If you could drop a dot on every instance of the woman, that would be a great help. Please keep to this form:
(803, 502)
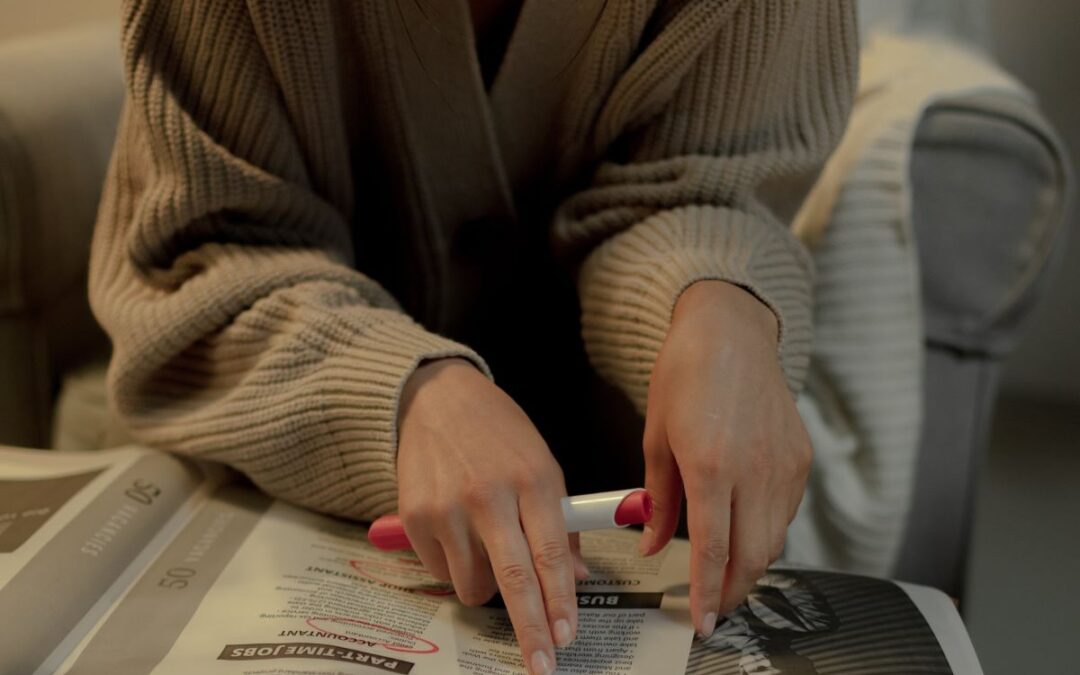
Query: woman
(327, 224)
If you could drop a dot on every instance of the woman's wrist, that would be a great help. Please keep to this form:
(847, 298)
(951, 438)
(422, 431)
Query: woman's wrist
(730, 305)
(433, 374)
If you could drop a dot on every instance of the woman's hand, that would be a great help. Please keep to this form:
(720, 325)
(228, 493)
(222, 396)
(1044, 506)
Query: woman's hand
(479, 498)
(722, 424)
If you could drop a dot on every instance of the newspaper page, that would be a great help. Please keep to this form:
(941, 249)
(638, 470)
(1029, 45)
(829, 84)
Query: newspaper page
(944, 620)
(256, 586)
(70, 525)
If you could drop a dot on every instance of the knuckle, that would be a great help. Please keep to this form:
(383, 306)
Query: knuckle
(776, 551)
(438, 511)
(515, 578)
(804, 458)
(556, 473)
(793, 509)
(560, 601)
(528, 482)
(714, 550)
(711, 588)
(762, 462)
(710, 469)
(475, 594)
(531, 630)
(551, 555)
(752, 567)
(439, 575)
(480, 497)
(653, 446)
(420, 515)
(539, 479)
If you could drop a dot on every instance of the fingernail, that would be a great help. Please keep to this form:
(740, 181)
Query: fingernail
(563, 634)
(541, 664)
(581, 569)
(646, 541)
(708, 625)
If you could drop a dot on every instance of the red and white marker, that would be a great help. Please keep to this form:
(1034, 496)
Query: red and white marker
(599, 511)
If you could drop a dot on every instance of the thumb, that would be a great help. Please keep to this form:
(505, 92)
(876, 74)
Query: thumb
(664, 484)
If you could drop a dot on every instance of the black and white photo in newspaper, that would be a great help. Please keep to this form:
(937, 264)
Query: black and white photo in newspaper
(808, 622)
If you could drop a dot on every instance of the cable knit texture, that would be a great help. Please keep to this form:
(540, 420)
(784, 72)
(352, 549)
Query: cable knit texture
(267, 151)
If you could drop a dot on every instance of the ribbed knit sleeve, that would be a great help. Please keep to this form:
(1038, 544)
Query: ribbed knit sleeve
(691, 137)
(221, 264)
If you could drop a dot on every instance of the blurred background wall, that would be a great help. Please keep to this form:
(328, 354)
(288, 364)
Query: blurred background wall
(19, 18)
(1040, 44)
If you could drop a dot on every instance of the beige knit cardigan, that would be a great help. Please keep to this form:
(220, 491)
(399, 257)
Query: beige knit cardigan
(224, 264)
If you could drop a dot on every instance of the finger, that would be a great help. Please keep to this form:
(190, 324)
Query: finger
(708, 505)
(778, 521)
(795, 497)
(795, 494)
(664, 485)
(804, 457)
(581, 569)
(545, 532)
(749, 546)
(511, 562)
(418, 527)
(470, 568)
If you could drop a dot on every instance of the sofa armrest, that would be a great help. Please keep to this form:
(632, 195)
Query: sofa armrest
(60, 98)
(990, 186)
(989, 191)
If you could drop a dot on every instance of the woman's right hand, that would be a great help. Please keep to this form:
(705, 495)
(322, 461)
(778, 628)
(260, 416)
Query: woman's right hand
(479, 498)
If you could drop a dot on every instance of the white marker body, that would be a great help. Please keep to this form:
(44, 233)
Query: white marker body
(595, 511)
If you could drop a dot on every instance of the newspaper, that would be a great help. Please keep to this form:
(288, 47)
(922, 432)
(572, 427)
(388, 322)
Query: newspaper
(234, 582)
(131, 561)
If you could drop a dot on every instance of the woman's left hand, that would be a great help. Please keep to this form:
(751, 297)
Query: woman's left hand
(722, 425)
